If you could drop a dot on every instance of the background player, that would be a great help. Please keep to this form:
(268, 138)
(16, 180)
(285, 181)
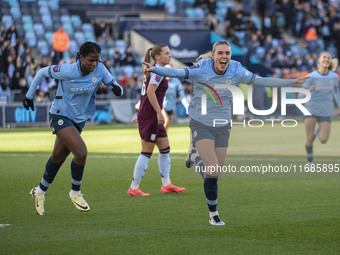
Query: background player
(151, 124)
(73, 105)
(211, 140)
(170, 99)
(324, 87)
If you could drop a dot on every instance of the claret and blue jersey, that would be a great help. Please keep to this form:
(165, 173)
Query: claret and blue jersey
(76, 92)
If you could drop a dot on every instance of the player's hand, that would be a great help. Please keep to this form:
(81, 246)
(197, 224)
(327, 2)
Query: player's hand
(147, 67)
(117, 90)
(28, 103)
(135, 121)
(160, 118)
(299, 81)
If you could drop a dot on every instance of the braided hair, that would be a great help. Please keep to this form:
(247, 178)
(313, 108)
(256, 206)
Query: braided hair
(88, 48)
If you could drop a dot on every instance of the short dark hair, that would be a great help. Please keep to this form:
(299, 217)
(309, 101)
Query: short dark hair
(88, 48)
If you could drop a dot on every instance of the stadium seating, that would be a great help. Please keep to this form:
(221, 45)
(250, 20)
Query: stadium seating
(43, 48)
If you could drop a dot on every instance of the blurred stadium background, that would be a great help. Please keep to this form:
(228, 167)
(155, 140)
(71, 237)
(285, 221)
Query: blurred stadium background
(279, 38)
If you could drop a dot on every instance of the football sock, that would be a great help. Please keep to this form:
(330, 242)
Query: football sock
(309, 150)
(210, 189)
(134, 185)
(212, 214)
(74, 192)
(40, 191)
(51, 171)
(199, 164)
(77, 175)
(141, 166)
(164, 166)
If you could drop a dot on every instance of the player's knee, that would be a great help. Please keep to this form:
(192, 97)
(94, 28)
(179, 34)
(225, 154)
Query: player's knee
(81, 155)
(323, 139)
(58, 160)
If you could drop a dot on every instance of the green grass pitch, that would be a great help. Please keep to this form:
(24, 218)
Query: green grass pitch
(276, 215)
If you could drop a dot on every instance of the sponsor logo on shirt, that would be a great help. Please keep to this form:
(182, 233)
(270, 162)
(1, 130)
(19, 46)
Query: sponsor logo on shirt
(83, 90)
(158, 78)
(56, 69)
(194, 66)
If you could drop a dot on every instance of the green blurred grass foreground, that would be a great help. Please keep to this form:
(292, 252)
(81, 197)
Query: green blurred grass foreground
(274, 215)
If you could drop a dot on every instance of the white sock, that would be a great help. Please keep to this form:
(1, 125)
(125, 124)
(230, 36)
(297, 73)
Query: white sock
(166, 181)
(193, 157)
(40, 191)
(212, 214)
(164, 164)
(134, 185)
(140, 168)
(74, 192)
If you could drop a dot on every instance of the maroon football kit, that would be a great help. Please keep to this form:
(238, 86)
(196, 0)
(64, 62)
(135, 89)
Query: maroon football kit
(148, 126)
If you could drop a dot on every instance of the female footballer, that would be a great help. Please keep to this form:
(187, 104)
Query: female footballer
(170, 99)
(151, 124)
(213, 70)
(73, 105)
(324, 87)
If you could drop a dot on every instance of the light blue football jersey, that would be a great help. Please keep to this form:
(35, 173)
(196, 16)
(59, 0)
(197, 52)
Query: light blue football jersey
(75, 96)
(207, 85)
(322, 97)
(212, 100)
(170, 99)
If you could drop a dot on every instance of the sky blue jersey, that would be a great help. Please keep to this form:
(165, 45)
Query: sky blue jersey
(207, 89)
(76, 93)
(211, 99)
(174, 86)
(325, 93)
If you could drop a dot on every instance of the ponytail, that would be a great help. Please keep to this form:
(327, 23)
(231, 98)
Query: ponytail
(147, 59)
(151, 53)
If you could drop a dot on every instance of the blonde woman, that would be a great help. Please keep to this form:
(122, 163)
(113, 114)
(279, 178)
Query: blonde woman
(210, 140)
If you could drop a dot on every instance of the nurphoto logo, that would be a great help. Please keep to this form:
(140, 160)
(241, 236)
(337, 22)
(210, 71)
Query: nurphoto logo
(238, 104)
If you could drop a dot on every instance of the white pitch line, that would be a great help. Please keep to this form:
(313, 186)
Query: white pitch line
(233, 158)
(4, 225)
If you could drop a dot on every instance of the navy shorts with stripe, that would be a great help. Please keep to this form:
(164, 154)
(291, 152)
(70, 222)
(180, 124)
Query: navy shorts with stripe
(58, 122)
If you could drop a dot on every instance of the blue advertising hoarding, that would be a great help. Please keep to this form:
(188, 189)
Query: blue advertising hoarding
(18, 115)
(185, 45)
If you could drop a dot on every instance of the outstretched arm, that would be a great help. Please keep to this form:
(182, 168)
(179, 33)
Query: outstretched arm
(28, 100)
(276, 82)
(41, 74)
(165, 71)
